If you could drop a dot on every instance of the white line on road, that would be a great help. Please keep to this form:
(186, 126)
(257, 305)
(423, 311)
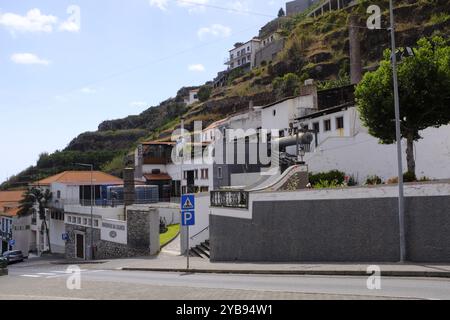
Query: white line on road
(30, 276)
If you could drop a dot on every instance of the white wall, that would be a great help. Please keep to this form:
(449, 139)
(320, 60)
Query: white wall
(362, 156)
(22, 234)
(57, 229)
(115, 213)
(384, 191)
(114, 231)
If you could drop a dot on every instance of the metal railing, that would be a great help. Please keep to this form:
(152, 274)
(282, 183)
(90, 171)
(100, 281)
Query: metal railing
(199, 233)
(230, 199)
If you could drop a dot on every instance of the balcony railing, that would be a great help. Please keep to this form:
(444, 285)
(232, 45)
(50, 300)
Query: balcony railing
(230, 199)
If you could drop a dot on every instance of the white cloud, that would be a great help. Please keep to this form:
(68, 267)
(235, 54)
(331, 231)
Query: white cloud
(87, 90)
(215, 30)
(161, 4)
(196, 67)
(28, 58)
(138, 104)
(191, 5)
(33, 21)
(69, 26)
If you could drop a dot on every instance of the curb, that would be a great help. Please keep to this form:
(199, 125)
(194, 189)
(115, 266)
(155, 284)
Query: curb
(78, 262)
(407, 274)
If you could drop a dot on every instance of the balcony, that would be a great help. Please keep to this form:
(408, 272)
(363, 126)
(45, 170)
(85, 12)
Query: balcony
(230, 199)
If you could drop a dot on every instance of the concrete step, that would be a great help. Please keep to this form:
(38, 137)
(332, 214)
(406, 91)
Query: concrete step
(203, 251)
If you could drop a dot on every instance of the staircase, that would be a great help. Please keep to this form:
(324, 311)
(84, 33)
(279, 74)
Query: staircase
(200, 251)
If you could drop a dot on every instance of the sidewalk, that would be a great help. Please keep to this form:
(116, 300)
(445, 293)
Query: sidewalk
(170, 263)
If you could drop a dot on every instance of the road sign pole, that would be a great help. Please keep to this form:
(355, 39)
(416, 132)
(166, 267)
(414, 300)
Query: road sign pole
(188, 249)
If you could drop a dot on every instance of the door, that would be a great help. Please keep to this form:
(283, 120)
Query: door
(190, 181)
(79, 246)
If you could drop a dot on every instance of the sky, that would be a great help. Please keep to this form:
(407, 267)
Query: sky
(66, 66)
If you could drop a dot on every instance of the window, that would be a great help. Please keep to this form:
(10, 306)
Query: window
(79, 220)
(85, 221)
(327, 125)
(248, 49)
(58, 194)
(196, 174)
(95, 223)
(340, 123)
(219, 172)
(274, 113)
(316, 127)
(206, 174)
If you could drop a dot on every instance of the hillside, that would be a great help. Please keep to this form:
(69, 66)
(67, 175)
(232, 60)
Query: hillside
(316, 48)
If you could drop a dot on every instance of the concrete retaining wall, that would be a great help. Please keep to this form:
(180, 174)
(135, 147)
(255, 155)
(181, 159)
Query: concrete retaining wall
(337, 230)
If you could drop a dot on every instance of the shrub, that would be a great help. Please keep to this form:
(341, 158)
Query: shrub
(323, 184)
(3, 263)
(332, 176)
(373, 180)
(286, 86)
(409, 177)
(393, 180)
(204, 93)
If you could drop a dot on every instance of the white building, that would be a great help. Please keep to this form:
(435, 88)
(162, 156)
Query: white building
(279, 115)
(192, 97)
(67, 188)
(243, 54)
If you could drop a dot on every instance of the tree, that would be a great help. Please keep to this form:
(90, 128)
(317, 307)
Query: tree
(36, 196)
(204, 93)
(281, 13)
(424, 89)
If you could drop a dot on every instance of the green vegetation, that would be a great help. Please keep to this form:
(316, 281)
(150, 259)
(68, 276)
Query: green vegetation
(3, 263)
(327, 178)
(286, 86)
(204, 93)
(171, 234)
(323, 184)
(373, 180)
(424, 82)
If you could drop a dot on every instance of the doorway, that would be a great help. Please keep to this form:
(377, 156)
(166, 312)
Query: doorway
(79, 246)
(190, 175)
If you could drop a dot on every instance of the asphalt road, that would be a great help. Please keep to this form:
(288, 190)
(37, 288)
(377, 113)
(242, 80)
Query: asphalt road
(48, 281)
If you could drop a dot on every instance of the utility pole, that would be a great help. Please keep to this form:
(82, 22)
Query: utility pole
(401, 202)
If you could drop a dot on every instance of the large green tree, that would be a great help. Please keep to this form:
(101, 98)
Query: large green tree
(424, 89)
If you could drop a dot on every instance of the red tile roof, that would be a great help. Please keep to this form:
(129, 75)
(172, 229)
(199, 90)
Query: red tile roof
(80, 177)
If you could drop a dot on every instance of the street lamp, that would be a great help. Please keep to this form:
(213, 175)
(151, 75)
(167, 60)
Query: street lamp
(91, 166)
(401, 207)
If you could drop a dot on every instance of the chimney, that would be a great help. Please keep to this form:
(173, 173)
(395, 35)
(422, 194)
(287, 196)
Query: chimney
(128, 187)
(355, 50)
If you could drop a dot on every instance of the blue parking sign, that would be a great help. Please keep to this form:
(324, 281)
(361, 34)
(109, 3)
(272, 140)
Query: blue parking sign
(188, 218)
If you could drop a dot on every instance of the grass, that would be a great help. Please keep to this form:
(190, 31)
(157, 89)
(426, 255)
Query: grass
(173, 232)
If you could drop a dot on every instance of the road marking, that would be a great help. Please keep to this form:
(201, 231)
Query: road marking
(30, 276)
(46, 274)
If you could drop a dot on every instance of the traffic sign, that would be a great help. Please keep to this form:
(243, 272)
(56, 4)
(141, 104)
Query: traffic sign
(12, 242)
(188, 202)
(188, 218)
